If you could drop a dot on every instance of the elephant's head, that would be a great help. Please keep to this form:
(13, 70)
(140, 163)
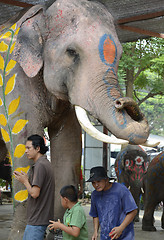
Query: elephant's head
(76, 44)
(131, 165)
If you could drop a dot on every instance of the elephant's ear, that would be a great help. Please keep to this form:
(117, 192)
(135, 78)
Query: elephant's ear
(29, 44)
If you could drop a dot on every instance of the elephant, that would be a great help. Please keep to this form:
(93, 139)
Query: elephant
(154, 194)
(131, 166)
(58, 62)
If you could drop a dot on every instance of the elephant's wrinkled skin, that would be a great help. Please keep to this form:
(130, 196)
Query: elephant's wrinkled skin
(65, 55)
(154, 192)
(131, 165)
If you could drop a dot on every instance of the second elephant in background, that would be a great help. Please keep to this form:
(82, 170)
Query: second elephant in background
(131, 165)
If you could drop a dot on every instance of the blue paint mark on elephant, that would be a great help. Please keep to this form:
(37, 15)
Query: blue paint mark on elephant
(108, 50)
(132, 136)
(108, 55)
(120, 163)
(123, 123)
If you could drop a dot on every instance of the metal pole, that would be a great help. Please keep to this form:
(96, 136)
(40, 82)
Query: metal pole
(105, 150)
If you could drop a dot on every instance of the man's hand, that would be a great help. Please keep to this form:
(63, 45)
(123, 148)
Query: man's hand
(21, 176)
(95, 236)
(116, 232)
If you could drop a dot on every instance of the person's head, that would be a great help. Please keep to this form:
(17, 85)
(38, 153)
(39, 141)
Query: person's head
(99, 178)
(35, 146)
(68, 193)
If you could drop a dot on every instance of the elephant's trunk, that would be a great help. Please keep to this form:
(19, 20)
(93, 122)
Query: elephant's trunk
(131, 108)
(126, 121)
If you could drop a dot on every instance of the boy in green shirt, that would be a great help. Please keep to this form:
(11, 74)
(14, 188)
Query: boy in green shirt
(74, 219)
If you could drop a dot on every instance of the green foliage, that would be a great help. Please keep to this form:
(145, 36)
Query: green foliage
(146, 59)
(2, 182)
(142, 65)
(154, 112)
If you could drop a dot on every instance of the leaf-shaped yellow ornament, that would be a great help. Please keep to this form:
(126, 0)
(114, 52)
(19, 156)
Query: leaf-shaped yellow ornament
(16, 32)
(3, 47)
(13, 27)
(13, 106)
(10, 84)
(6, 35)
(23, 169)
(12, 47)
(1, 81)
(10, 66)
(21, 196)
(10, 159)
(19, 125)
(19, 150)
(1, 63)
(3, 120)
(1, 103)
(5, 135)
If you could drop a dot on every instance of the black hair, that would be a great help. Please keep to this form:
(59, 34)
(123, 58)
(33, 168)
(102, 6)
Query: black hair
(38, 141)
(69, 192)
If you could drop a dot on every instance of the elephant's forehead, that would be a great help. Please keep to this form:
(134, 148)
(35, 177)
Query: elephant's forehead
(84, 20)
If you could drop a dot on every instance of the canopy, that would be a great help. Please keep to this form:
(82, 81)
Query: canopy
(134, 19)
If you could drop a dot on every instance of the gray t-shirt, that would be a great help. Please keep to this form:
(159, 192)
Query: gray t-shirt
(41, 209)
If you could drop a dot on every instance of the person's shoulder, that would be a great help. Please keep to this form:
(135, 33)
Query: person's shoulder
(78, 207)
(43, 163)
(95, 193)
(119, 186)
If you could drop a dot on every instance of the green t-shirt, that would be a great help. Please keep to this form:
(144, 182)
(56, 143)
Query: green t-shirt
(76, 217)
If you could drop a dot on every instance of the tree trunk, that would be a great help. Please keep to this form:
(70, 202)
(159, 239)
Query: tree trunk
(129, 82)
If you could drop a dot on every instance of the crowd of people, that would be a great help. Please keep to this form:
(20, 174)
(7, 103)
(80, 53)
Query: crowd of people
(112, 205)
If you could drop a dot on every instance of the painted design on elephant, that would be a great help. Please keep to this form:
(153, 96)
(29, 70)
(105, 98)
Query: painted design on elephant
(118, 168)
(138, 166)
(139, 160)
(7, 85)
(108, 55)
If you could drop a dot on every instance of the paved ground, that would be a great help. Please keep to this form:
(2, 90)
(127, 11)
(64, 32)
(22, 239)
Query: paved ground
(6, 211)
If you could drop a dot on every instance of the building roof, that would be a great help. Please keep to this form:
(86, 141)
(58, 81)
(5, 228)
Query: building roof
(134, 19)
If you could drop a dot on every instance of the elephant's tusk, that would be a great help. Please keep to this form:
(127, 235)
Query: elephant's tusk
(142, 190)
(92, 131)
(150, 143)
(129, 188)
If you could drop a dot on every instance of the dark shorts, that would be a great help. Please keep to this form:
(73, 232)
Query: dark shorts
(34, 232)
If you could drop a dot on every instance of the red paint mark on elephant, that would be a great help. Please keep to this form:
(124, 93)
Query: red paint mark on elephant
(59, 14)
(109, 50)
(127, 162)
(120, 119)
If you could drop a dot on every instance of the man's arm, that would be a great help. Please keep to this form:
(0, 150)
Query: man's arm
(23, 178)
(117, 231)
(96, 228)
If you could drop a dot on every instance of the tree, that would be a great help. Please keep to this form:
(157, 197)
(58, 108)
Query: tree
(142, 67)
(141, 76)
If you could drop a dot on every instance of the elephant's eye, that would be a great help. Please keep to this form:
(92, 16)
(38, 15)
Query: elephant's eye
(71, 52)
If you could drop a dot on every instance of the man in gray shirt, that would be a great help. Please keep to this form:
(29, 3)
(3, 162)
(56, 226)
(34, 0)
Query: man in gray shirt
(40, 186)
